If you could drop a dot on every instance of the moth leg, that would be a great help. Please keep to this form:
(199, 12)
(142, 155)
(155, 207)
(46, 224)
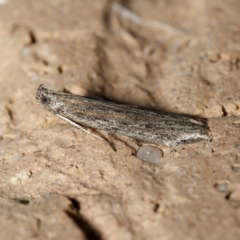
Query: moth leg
(134, 149)
(85, 130)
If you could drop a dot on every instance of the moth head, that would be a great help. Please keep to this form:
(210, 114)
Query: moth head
(43, 96)
(49, 99)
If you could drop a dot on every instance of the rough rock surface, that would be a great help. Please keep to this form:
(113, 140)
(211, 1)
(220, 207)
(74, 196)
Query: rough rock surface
(60, 183)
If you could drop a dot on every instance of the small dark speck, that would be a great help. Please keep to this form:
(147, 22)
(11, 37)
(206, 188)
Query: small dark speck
(60, 70)
(22, 201)
(227, 197)
(156, 207)
(75, 203)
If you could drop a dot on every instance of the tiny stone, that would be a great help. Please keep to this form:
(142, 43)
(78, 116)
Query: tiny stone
(57, 182)
(237, 146)
(222, 187)
(236, 168)
(35, 78)
(237, 125)
(3, 2)
(17, 157)
(26, 51)
(149, 154)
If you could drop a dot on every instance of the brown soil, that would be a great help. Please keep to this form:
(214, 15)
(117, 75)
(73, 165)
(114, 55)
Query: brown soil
(59, 183)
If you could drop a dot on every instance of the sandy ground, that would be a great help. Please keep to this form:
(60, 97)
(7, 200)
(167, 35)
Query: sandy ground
(59, 183)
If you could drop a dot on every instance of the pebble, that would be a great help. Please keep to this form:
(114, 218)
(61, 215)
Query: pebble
(17, 157)
(35, 78)
(237, 125)
(236, 168)
(57, 182)
(20, 177)
(222, 187)
(3, 2)
(237, 146)
(149, 154)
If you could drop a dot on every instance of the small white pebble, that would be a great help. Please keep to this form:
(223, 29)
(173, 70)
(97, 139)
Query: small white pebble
(17, 157)
(20, 177)
(222, 186)
(26, 51)
(14, 180)
(35, 78)
(3, 2)
(150, 154)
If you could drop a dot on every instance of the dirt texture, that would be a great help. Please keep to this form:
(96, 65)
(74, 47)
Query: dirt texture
(57, 182)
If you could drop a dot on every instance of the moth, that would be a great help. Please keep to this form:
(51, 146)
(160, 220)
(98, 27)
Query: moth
(147, 126)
